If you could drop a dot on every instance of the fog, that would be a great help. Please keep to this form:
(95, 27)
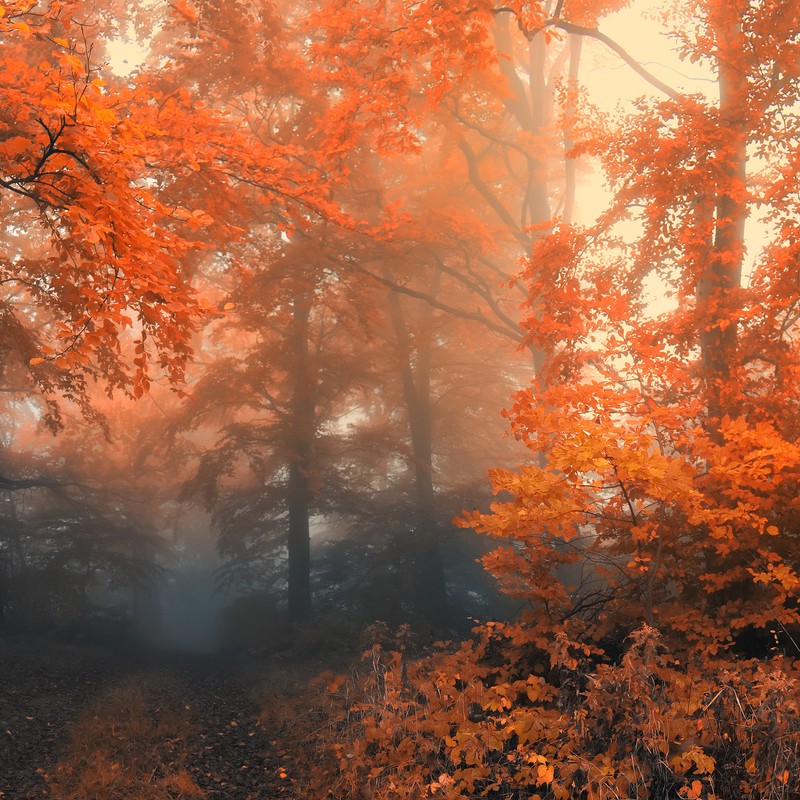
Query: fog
(356, 346)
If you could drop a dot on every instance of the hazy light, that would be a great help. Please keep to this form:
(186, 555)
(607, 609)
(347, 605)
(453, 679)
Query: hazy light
(639, 32)
(125, 57)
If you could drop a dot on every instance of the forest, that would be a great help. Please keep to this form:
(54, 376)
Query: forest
(400, 399)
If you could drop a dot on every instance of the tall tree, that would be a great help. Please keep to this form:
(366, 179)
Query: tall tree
(111, 183)
(293, 109)
(484, 79)
(670, 436)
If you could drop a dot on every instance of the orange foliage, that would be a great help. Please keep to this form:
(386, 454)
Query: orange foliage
(500, 717)
(127, 746)
(115, 187)
(660, 507)
(75, 168)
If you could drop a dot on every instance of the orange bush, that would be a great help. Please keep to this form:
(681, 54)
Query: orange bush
(498, 718)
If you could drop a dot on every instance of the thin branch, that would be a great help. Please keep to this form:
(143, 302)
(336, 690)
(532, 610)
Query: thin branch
(488, 195)
(427, 298)
(490, 136)
(594, 33)
(482, 292)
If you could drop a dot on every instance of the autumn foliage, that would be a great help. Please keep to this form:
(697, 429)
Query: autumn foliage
(652, 539)
(347, 182)
(500, 717)
(127, 746)
(106, 186)
(80, 173)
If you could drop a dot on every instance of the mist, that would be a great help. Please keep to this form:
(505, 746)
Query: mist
(300, 455)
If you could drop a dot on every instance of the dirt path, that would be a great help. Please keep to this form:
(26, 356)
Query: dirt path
(231, 755)
(80, 722)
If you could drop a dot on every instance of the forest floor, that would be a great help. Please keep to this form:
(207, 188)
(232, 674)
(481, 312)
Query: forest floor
(81, 721)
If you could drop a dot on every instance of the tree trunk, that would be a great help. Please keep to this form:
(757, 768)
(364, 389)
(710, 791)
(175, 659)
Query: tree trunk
(5, 573)
(13, 559)
(718, 284)
(527, 105)
(570, 178)
(429, 583)
(302, 428)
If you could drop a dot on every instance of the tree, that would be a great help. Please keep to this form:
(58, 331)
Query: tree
(281, 99)
(670, 437)
(106, 187)
(111, 192)
(485, 82)
(287, 370)
(664, 465)
(81, 543)
(259, 82)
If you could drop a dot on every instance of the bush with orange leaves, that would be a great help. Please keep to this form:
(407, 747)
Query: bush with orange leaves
(499, 718)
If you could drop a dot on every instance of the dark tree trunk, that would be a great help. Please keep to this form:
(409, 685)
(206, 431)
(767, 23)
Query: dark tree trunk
(5, 572)
(13, 559)
(429, 582)
(302, 428)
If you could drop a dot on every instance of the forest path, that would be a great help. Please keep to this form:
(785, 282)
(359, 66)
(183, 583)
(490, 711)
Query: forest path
(232, 755)
(79, 722)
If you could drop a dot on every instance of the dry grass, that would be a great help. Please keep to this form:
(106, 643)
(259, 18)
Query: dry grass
(128, 746)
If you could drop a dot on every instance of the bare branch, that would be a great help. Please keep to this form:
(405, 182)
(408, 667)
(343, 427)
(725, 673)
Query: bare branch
(488, 195)
(594, 33)
(427, 298)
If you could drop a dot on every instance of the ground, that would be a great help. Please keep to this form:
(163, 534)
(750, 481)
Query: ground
(88, 721)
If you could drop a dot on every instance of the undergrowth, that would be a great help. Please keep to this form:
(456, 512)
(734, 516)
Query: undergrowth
(127, 747)
(496, 718)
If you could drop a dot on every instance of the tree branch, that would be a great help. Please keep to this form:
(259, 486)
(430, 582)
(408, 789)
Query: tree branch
(427, 298)
(488, 195)
(594, 33)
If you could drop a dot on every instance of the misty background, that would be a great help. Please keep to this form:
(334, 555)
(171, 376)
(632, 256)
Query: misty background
(344, 404)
